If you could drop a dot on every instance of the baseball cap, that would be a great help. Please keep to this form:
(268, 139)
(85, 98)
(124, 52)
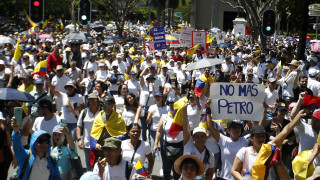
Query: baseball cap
(281, 107)
(56, 129)
(2, 62)
(39, 81)
(92, 55)
(109, 100)
(199, 129)
(313, 72)
(150, 77)
(68, 49)
(102, 64)
(111, 142)
(234, 122)
(316, 114)
(59, 67)
(93, 95)
(90, 176)
(271, 80)
(132, 73)
(257, 129)
(158, 94)
(44, 103)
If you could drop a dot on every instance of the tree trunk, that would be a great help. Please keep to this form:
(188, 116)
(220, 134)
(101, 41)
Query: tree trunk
(169, 15)
(172, 17)
(302, 30)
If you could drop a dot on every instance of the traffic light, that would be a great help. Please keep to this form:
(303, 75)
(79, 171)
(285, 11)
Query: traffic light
(269, 22)
(36, 12)
(84, 12)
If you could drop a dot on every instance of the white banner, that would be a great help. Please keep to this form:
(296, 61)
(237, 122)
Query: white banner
(199, 37)
(185, 36)
(242, 101)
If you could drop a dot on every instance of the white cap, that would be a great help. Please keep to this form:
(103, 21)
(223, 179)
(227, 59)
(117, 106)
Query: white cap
(102, 64)
(119, 55)
(313, 58)
(313, 72)
(2, 62)
(199, 129)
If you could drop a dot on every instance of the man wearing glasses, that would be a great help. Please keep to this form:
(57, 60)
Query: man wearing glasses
(36, 162)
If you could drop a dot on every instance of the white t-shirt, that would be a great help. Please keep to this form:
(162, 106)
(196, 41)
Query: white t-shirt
(116, 172)
(145, 93)
(314, 86)
(172, 95)
(190, 148)
(306, 136)
(287, 86)
(119, 103)
(66, 110)
(271, 96)
(128, 116)
(134, 87)
(90, 65)
(229, 150)
(39, 169)
(193, 116)
(159, 111)
(88, 123)
(102, 75)
(251, 157)
(59, 83)
(142, 152)
(41, 124)
(167, 122)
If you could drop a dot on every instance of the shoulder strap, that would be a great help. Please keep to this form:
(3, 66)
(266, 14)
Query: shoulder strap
(25, 166)
(72, 109)
(128, 170)
(135, 150)
(54, 161)
(41, 97)
(85, 111)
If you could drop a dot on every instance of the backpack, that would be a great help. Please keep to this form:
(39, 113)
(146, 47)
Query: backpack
(113, 79)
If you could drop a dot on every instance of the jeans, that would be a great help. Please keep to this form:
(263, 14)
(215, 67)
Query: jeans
(87, 158)
(269, 115)
(152, 137)
(72, 129)
(144, 125)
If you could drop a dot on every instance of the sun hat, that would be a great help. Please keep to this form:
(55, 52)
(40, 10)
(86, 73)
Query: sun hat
(178, 162)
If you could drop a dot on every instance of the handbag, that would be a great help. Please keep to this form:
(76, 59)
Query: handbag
(144, 109)
(173, 150)
(76, 169)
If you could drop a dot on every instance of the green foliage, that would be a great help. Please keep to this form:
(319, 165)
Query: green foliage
(185, 8)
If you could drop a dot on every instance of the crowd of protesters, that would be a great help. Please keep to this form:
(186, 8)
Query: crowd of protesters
(116, 103)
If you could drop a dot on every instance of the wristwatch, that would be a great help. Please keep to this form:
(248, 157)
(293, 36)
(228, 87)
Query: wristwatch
(78, 139)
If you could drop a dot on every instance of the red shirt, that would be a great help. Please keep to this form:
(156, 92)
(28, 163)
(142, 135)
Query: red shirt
(53, 61)
(179, 58)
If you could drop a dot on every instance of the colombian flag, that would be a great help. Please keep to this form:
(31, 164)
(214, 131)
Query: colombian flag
(30, 21)
(193, 50)
(278, 67)
(115, 126)
(17, 53)
(150, 30)
(300, 165)
(268, 156)
(201, 81)
(176, 125)
(140, 168)
(41, 68)
(203, 122)
(45, 24)
(311, 102)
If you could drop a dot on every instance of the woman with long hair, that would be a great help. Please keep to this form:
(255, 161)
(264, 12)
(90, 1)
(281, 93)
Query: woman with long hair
(131, 109)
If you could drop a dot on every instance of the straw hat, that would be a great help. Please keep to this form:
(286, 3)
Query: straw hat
(178, 162)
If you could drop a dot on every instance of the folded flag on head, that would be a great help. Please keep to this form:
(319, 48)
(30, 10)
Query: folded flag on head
(268, 156)
(140, 168)
(17, 53)
(177, 125)
(193, 50)
(41, 68)
(310, 102)
(201, 81)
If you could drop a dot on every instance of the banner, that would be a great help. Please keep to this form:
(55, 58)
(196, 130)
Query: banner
(185, 36)
(159, 38)
(199, 37)
(242, 101)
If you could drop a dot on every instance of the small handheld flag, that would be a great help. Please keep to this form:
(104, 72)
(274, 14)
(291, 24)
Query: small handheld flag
(41, 68)
(17, 53)
(140, 168)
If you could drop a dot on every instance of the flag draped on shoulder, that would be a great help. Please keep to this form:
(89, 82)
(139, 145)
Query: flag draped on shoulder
(115, 126)
(193, 50)
(41, 68)
(17, 53)
(140, 168)
(177, 125)
(268, 156)
(200, 83)
(300, 165)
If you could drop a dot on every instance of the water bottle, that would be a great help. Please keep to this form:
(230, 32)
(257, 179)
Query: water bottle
(146, 166)
(157, 156)
(247, 176)
(198, 178)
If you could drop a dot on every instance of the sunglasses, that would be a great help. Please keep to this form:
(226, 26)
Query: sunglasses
(43, 141)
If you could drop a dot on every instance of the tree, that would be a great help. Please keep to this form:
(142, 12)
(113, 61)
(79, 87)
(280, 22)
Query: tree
(119, 10)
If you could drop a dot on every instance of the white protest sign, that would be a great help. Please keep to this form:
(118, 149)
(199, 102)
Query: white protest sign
(242, 101)
(185, 36)
(199, 37)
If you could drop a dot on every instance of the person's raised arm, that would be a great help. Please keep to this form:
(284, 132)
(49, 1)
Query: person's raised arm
(263, 118)
(295, 81)
(53, 90)
(141, 79)
(69, 138)
(213, 131)
(186, 127)
(205, 89)
(277, 141)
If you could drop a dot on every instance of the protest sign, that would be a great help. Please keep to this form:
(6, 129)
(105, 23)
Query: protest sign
(199, 37)
(185, 36)
(242, 101)
(159, 38)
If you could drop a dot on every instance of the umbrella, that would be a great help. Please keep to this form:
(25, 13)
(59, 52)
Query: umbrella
(215, 30)
(9, 94)
(6, 39)
(77, 36)
(45, 36)
(204, 63)
(225, 45)
(288, 39)
(315, 47)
